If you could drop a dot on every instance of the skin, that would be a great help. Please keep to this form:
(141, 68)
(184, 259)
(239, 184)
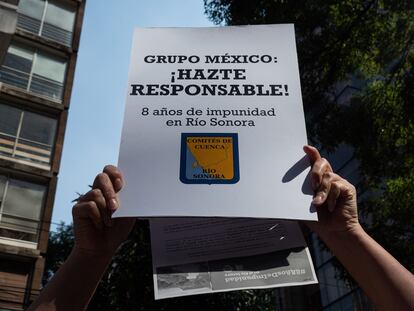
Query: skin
(97, 237)
(335, 199)
(386, 282)
(95, 232)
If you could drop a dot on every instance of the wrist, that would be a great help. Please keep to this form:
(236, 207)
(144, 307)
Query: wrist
(87, 255)
(352, 233)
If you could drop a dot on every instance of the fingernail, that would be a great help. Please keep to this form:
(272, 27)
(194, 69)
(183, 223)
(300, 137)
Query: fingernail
(113, 205)
(318, 199)
(118, 184)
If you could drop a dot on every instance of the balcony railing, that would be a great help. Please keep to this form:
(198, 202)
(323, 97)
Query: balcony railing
(28, 23)
(26, 150)
(43, 86)
(57, 34)
(37, 84)
(46, 30)
(18, 228)
(14, 77)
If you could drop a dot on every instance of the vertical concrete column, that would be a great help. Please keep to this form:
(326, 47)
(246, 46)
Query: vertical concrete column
(8, 21)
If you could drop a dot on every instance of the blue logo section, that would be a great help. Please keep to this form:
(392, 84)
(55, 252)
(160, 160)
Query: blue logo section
(209, 158)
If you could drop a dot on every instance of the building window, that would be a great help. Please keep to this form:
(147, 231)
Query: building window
(49, 19)
(14, 277)
(26, 136)
(33, 70)
(331, 284)
(21, 204)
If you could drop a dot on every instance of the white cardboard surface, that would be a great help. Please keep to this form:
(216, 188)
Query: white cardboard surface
(271, 160)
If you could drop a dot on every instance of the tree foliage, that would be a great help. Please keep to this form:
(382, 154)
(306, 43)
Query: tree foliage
(128, 283)
(350, 45)
(368, 47)
(60, 245)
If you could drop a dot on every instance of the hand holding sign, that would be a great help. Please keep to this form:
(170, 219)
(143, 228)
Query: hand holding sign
(335, 198)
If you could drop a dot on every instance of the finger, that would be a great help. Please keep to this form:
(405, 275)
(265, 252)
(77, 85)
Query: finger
(333, 195)
(323, 189)
(97, 196)
(319, 168)
(348, 191)
(104, 183)
(312, 153)
(88, 210)
(319, 165)
(115, 176)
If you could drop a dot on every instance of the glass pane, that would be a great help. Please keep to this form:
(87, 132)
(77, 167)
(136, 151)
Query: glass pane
(347, 303)
(50, 67)
(19, 58)
(38, 128)
(60, 16)
(32, 8)
(328, 285)
(43, 86)
(9, 120)
(19, 226)
(24, 199)
(323, 287)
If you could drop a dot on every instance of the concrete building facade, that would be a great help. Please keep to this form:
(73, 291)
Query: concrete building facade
(39, 41)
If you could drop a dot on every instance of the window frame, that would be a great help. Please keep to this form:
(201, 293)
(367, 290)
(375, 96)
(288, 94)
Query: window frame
(42, 21)
(22, 242)
(16, 138)
(36, 50)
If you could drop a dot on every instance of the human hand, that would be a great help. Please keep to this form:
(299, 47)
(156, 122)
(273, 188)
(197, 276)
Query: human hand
(334, 199)
(95, 232)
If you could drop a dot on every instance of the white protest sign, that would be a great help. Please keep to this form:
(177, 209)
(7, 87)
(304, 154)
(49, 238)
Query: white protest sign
(214, 125)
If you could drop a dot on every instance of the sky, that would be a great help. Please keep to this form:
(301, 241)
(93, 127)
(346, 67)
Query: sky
(95, 116)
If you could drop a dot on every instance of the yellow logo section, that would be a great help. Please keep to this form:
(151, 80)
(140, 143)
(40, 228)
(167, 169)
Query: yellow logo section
(214, 155)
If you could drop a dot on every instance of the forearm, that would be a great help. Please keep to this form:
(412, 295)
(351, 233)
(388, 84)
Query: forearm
(386, 282)
(73, 285)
